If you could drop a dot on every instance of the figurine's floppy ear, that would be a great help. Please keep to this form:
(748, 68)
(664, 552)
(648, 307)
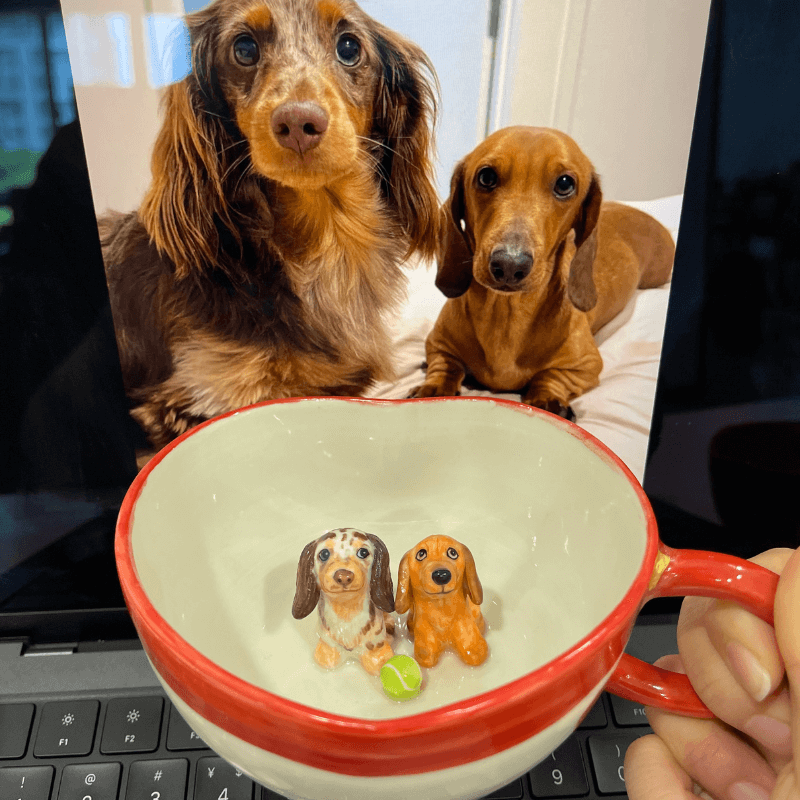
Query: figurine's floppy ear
(454, 254)
(473, 583)
(306, 595)
(381, 587)
(402, 601)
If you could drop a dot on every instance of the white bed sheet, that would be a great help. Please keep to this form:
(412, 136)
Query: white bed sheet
(619, 411)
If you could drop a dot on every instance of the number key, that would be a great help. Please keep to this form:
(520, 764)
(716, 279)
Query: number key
(26, 783)
(90, 782)
(561, 774)
(216, 779)
(161, 779)
(608, 760)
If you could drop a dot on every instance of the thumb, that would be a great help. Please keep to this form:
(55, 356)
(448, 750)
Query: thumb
(787, 632)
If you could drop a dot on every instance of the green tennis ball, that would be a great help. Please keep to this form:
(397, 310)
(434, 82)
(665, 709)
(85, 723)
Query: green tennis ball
(401, 678)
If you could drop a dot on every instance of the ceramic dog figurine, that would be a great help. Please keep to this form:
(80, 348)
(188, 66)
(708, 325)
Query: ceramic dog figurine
(345, 575)
(439, 587)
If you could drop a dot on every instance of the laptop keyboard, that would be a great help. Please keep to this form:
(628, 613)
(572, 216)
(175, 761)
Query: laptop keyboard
(137, 747)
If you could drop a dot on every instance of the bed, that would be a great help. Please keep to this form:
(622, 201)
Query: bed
(619, 410)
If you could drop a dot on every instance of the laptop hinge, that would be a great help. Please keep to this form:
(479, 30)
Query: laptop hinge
(52, 649)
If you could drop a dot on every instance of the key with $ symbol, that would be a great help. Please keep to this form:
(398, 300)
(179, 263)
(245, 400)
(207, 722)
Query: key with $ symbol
(216, 779)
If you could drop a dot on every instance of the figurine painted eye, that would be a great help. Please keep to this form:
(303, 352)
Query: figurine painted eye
(362, 552)
(564, 186)
(452, 552)
(324, 554)
(422, 554)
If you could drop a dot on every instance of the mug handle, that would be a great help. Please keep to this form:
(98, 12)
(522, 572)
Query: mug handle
(692, 572)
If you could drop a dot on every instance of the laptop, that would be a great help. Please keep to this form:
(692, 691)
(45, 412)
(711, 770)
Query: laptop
(81, 713)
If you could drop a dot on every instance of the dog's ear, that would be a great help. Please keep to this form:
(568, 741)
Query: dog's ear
(454, 256)
(403, 123)
(197, 164)
(403, 598)
(306, 595)
(580, 284)
(381, 586)
(471, 580)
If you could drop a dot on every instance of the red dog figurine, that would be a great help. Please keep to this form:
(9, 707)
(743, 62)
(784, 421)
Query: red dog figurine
(439, 587)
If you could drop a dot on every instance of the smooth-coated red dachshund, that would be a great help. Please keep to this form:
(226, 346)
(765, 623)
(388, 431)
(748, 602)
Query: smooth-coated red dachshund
(535, 264)
(291, 178)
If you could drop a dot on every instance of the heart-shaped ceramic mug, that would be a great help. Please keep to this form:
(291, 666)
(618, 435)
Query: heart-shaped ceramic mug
(563, 539)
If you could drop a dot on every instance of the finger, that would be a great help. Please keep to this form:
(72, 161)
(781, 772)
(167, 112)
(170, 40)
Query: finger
(733, 662)
(787, 630)
(652, 773)
(711, 754)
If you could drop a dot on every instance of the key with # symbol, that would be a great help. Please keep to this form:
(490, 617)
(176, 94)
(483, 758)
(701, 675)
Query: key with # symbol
(158, 779)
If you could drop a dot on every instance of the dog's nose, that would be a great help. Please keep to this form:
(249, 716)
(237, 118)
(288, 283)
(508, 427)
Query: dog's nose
(299, 126)
(509, 267)
(343, 577)
(441, 576)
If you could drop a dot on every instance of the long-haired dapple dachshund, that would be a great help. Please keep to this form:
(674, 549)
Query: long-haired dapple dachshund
(345, 575)
(534, 264)
(291, 178)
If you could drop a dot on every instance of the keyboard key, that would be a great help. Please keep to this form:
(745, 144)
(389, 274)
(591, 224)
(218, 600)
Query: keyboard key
(596, 718)
(15, 725)
(132, 726)
(26, 783)
(561, 774)
(66, 728)
(164, 778)
(90, 782)
(627, 713)
(217, 778)
(511, 792)
(608, 759)
(180, 736)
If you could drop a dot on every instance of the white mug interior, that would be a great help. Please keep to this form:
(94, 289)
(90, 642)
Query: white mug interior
(556, 529)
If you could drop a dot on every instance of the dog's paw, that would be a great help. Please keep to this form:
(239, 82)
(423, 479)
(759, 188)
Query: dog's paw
(431, 390)
(555, 407)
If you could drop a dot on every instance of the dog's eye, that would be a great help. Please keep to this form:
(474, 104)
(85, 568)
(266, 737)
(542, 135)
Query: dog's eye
(362, 552)
(348, 50)
(564, 186)
(487, 178)
(324, 554)
(452, 552)
(422, 554)
(245, 51)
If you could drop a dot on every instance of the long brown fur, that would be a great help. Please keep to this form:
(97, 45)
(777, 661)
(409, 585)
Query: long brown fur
(533, 333)
(252, 270)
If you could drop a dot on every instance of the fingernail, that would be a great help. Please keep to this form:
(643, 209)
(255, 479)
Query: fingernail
(754, 679)
(772, 733)
(747, 791)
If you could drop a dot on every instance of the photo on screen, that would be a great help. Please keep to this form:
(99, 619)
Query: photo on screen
(620, 78)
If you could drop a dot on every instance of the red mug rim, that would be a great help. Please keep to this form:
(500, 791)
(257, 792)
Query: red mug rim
(448, 736)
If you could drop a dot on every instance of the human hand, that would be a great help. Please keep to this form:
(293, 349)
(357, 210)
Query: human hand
(748, 674)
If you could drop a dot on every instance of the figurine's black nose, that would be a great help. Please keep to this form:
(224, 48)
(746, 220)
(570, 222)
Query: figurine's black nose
(441, 576)
(343, 577)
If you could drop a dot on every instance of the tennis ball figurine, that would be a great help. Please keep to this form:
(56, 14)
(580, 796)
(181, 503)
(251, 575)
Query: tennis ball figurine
(401, 678)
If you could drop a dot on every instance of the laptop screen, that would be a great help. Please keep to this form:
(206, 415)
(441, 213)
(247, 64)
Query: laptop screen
(723, 461)
(71, 446)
